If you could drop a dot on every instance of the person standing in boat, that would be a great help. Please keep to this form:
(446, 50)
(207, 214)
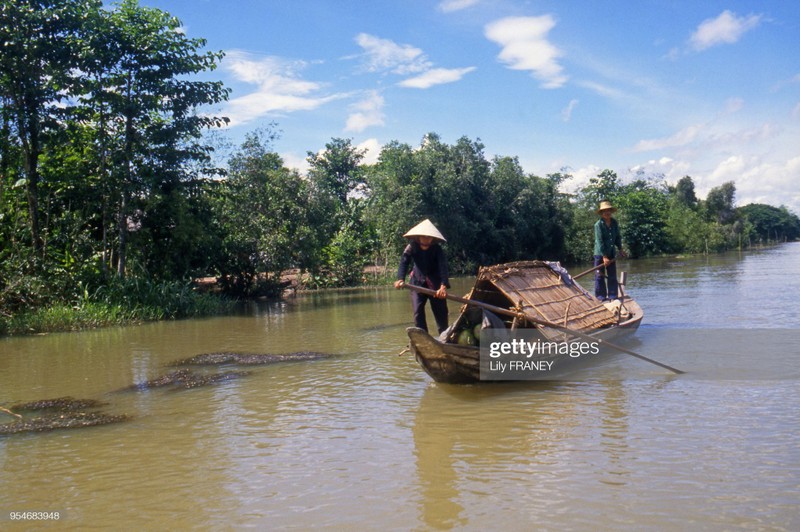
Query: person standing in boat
(428, 263)
(607, 244)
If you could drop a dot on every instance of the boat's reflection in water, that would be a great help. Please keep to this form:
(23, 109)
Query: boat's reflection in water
(467, 459)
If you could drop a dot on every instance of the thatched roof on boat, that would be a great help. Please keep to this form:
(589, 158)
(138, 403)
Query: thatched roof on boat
(541, 292)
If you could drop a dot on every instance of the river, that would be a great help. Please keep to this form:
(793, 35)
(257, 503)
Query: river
(365, 439)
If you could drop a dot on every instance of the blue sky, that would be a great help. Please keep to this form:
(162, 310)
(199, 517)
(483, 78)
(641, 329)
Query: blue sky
(656, 87)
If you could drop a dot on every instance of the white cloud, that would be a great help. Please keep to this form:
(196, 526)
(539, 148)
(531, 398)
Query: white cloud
(681, 138)
(386, 55)
(603, 90)
(436, 76)
(448, 6)
(368, 112)
(566, 113)
(757, 180)
(714, 136)
(773, 183)
(580, 178)
(279, 89)
(295, 162)
(751, 136)
(656, 172)
(727, 28)
(372, 150)
(525, 47)
(728, 170)
(780, 85)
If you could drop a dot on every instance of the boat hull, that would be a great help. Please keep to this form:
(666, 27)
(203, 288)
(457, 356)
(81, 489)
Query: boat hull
(459, 364)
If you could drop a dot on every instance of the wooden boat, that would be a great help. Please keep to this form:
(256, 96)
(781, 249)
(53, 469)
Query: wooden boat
(528, 295)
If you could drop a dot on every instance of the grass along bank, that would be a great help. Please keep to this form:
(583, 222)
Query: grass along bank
(123, 302)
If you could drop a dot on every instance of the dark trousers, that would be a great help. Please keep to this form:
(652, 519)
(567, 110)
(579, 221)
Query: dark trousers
(438, 306)
(605, 276)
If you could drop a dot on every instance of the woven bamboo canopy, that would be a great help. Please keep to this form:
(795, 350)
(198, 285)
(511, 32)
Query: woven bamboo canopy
(537, 290)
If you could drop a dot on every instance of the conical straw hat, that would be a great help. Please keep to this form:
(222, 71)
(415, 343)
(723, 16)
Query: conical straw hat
(425, 228)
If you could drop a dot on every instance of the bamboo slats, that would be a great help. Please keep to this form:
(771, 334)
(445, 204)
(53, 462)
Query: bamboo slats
(534, 288)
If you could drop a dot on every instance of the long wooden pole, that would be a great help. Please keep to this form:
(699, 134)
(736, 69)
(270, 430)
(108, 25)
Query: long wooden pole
(545, 323)
(590, 270)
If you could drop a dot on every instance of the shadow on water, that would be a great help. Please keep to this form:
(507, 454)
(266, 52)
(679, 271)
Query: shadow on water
(458, 443)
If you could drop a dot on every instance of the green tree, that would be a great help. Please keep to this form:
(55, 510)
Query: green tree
(145, 103)
(340, 188)
(605, 186)
(336, 169)
(539, 221)
(643, 211)
(579, 239)
(264, 211)
(394, 198)
(771, 223)
(489, 211)
(686, 230)
(684, 192)
(720, 203)
(350, 249)
(454, 191)
(37, 73)
(506, 196)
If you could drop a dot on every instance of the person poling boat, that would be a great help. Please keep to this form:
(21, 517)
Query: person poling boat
(427, 261)
(607, 242)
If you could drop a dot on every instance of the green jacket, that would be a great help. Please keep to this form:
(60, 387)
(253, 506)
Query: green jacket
(607, 240)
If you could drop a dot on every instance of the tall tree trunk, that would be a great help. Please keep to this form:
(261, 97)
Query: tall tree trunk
(126, 185)
(123, 234)
(5, 151)
(104, 186)
(28, 125)
(32, 174)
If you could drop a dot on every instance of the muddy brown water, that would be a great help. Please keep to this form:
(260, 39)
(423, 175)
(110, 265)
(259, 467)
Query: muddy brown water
(365, 440)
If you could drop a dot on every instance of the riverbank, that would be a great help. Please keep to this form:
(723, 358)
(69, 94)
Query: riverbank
(141, 302)
(128, 302)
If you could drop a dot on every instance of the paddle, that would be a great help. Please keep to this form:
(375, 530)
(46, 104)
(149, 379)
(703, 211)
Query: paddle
(545, 323)
(590, 270)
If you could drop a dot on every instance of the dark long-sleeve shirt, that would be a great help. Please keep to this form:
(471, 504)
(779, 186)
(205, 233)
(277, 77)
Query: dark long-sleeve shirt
(607, 239)
(428, 267)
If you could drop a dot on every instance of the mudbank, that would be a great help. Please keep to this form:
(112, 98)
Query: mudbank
(248, 359)
(69, 413)
(60, 413)
(185, 379)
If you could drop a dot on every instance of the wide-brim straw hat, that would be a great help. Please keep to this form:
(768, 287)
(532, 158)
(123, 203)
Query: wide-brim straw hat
(606, 206)
(425, 228)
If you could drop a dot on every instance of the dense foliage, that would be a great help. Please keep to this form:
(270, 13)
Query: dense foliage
(109, 199)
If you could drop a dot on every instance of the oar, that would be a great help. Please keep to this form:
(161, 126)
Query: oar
(590, 270)
(545, 323)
